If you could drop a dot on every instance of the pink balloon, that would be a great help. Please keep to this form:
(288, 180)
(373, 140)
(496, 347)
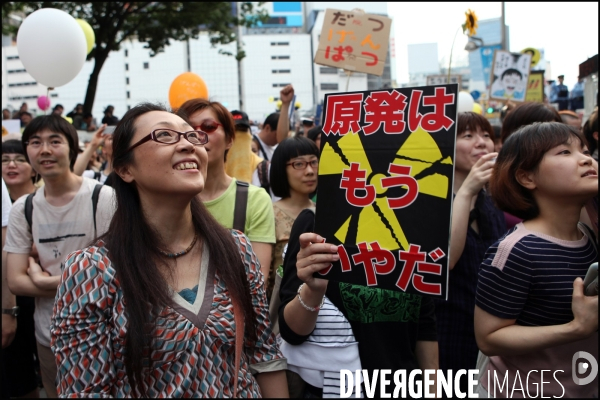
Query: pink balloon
(43, 102)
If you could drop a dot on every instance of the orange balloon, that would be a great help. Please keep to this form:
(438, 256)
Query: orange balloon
(185, 87)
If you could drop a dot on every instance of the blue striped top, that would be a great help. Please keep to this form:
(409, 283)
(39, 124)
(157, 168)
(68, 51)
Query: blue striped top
(529, 276)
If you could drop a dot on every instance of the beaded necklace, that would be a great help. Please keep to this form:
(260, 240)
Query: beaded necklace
(181, 253)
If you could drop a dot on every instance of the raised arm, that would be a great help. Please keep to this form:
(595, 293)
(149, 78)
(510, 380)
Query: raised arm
(84, 158)
(286, 95)
(461, 206)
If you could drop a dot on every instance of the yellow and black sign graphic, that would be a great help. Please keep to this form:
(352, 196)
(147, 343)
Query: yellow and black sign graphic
(385, 186)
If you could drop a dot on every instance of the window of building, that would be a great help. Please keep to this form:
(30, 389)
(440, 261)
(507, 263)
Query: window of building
(22, 84)
(280, 57)
(126, 52)
(280, 43)
(281, 71)
(127, 80)
(146, 65)
(128, 95)
(126, 67)
(328, 70)
(280, 84)
(329, 86)
(16, 71)
(12, 57)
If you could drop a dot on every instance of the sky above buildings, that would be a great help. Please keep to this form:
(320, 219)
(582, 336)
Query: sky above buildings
(568, 32)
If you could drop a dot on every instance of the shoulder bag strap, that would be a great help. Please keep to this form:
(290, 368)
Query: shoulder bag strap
(95, 196)
(241, 202)
(261, 149)
(239, 342)
(29, 209)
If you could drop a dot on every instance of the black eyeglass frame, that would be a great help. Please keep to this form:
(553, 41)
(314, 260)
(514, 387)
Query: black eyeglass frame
(152, 136)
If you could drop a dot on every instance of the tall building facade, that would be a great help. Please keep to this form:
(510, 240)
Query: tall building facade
(278, 52)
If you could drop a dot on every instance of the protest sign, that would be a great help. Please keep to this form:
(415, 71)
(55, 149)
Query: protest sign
(510, 75)
(354, 41)
(385, 187)
(443, 80)
(535, 87)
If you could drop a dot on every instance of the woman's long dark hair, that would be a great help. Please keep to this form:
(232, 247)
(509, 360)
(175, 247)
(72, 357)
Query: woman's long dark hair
(133, 244)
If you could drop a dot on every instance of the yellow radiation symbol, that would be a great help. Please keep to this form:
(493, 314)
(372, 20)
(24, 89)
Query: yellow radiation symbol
(378, 220)
(535, 55)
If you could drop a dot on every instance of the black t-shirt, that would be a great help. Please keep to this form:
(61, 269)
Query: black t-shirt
(387, 324)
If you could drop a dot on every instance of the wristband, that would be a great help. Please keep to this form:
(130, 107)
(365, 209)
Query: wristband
(306, 307)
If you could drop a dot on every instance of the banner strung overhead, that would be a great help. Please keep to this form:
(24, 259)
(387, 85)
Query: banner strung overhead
(385, 186)
(354, 41)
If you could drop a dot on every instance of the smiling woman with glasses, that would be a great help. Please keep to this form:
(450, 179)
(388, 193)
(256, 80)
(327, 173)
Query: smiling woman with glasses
(170, 303)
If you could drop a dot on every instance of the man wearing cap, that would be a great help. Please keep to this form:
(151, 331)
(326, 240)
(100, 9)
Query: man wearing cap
(109, 119)
(560, 94)
(241, 161)
(307, 124)
(577, 95)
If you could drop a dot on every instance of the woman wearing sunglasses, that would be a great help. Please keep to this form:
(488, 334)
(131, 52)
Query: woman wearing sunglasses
(220, 192)
(167, 303)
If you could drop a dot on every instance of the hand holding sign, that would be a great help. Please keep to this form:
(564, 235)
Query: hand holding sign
(315, 255)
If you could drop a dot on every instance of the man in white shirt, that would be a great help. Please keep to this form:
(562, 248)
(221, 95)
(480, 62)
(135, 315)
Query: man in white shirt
(63, 219)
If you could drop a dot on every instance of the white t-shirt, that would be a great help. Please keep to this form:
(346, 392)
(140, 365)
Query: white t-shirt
(268, 150)
(57, 231)
(6, 204)
(88, 173)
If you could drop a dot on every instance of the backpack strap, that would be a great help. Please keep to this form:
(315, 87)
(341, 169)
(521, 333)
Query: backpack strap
(29, 206)
(241, 202)
(95, 197)
(29, 209)
(238, 316)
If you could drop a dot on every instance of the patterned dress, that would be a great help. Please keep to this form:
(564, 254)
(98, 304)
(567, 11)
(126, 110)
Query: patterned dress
(193, 353)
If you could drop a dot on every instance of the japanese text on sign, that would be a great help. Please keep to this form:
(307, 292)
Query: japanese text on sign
(354, 41)
(385, 187)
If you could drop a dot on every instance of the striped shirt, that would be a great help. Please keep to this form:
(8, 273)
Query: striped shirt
(528, 276)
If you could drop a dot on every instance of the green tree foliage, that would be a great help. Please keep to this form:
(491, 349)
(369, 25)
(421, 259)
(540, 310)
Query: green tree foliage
(153, 23)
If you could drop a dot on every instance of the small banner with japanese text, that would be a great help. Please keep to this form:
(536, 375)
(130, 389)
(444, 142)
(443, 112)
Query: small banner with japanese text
(354, 41)
(385, 187)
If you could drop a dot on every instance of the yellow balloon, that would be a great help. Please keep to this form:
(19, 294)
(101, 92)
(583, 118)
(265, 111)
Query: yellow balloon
(90, 38)
(477, 108)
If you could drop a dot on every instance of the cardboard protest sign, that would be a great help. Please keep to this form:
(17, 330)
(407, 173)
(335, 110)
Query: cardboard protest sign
(535, 87)
(510, 75)
(443, 80)
(354, 41)
(385, 187)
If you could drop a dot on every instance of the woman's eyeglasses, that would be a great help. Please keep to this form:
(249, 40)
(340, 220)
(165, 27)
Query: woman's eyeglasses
(208, 126)
(169, 136)
(303, 164)
(17, 160)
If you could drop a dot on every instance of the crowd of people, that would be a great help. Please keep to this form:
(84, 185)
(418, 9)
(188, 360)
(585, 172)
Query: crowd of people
(175, 257)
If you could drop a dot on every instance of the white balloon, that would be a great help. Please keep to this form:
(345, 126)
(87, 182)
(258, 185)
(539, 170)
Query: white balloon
(51, 46)
(465, 102)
